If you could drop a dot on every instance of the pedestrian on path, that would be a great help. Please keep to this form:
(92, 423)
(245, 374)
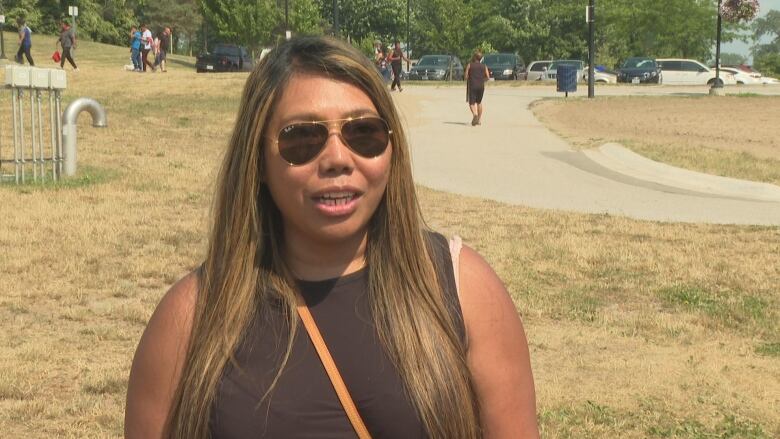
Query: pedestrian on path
(25, 42)
(396, 56)
(319, 254)
(476, 76)
(135, 49)
(67, 40)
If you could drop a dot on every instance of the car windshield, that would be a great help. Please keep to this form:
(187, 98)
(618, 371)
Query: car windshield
(566, 62)
(434, 60)
(226, 50)
(496, 58)
(639, 63)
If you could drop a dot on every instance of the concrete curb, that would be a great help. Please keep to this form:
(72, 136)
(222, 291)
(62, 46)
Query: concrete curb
(619, 159)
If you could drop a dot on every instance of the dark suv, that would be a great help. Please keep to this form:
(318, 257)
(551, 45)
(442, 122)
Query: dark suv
(504, 65)
(225, 58)
(640, 70)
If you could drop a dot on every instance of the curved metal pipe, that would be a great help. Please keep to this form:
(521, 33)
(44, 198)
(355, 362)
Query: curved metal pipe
(69, 117)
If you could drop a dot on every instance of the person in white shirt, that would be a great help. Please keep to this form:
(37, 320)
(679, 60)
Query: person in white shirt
(146, 46)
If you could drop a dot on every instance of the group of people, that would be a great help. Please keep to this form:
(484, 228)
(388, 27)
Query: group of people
(386, 61)
(66, 40)
(476, 75)
(142, 42)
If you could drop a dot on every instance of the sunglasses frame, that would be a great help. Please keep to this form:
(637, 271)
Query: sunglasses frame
(330, 124)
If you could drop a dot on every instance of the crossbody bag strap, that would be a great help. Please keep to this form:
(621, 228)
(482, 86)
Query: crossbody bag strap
(331, 369)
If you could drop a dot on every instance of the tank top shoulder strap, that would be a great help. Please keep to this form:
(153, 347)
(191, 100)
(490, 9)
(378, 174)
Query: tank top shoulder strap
(439, 248)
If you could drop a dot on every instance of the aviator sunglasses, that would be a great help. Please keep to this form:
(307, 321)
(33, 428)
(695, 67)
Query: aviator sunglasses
(300, 142)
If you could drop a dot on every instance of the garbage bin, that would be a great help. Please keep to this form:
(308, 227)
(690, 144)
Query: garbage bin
(566, 78)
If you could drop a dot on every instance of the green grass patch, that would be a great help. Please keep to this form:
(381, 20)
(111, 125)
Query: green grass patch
(726, 308)
(769, 349)
(86, 175)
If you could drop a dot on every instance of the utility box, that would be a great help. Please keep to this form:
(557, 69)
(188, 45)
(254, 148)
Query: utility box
(566, 78)
(58, 80)
(39, 78)
(17, 76)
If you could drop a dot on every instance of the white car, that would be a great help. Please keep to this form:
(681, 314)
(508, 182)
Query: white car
(690, 72)
(536, 70)
(600, 77)
(552, 72)
(742, 77)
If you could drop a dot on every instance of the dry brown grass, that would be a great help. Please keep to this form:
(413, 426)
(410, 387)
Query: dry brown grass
(637, 329)
(734, 136)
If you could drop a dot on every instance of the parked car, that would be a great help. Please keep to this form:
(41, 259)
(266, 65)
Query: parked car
(535, 70)
(742, 77)
(552, 72)
(225, 58)
(600, 76)
(437, 68)
(690, 72)
(504, 65)
(640, 70)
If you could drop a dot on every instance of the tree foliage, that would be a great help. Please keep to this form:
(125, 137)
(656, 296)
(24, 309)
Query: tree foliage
(535, 29)
(767, 55)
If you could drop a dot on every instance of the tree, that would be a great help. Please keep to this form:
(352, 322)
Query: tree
(247, 22)
(766, 56)
(732, 59)
(182, 16)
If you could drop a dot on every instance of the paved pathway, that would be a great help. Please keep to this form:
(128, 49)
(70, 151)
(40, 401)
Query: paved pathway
(513, 158)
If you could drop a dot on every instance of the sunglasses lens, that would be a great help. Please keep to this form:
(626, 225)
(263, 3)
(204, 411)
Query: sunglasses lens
(300, 143)
(368, 136)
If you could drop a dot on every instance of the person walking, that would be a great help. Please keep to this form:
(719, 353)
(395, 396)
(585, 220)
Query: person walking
(67, 40)
(25, 42)
(135, 48)
(163, 46)
(396, 57)
(476, 76)
(146, 46)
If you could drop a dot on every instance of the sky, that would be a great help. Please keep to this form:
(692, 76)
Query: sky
(744, 48)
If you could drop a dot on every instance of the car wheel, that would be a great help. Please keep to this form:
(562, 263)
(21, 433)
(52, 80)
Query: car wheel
(200, 70)
(711, 82)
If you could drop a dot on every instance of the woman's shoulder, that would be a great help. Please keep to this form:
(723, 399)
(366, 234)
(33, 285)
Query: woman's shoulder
(159, 359)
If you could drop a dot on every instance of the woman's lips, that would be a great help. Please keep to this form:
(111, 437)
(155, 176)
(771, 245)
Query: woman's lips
(337, 203)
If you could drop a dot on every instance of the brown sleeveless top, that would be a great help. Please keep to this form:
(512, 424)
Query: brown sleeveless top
(303, 403)
(477, 75)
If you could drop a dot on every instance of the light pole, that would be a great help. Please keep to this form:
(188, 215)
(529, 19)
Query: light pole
(591, 46)
(408, 14)
(717, 86)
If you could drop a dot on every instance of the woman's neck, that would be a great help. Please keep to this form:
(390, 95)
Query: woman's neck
(318, 260)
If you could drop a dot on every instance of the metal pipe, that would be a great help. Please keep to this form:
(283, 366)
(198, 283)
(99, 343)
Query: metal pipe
(15, 107)
(20, 94)
(69, 117)
(33, 143)
(53, 125)
(41, 143)
(58, 103)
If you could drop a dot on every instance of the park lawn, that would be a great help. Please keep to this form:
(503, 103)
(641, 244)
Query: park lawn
(734, 136)
(637, 329)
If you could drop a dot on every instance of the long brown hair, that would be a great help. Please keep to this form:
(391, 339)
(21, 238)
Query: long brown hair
(244, 262)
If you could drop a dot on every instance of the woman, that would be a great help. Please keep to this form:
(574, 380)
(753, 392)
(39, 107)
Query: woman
(316, 211)
(476, 75)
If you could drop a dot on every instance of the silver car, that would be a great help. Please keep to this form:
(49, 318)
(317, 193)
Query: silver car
(535, 70)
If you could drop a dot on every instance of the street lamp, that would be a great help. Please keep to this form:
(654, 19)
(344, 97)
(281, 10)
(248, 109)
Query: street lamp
(717, 86)
(408, 13)
(2, 38)
(591, 46)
